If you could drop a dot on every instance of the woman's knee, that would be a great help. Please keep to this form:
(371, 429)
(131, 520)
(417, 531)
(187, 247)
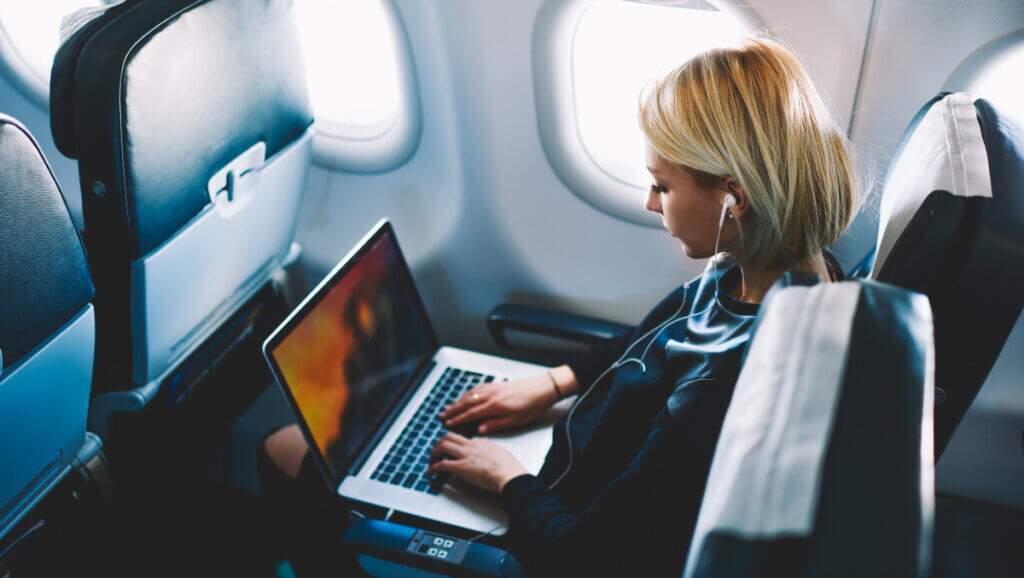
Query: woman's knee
(285, 449)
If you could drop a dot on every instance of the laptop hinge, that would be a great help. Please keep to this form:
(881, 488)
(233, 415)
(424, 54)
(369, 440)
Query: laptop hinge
(391, 415)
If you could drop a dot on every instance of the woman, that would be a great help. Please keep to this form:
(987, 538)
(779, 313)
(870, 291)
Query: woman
(744, 158)
(743, 122)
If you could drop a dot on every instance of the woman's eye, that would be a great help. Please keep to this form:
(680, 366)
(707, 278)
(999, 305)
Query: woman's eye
(659, 189)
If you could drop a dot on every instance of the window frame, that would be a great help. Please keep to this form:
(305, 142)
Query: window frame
(16, 70)
(554, 94)
(362, 150)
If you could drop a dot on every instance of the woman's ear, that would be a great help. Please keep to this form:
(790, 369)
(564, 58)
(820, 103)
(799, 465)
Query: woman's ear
(733, 187)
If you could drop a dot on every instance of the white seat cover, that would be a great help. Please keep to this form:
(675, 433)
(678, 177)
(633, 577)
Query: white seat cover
(945, 153)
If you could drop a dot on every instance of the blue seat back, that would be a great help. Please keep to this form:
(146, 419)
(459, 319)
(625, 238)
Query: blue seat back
(47, 328)
(191, 124)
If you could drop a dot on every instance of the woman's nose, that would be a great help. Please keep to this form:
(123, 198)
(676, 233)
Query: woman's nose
(653, 202)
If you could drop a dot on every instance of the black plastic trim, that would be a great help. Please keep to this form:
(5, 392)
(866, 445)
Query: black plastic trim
(569, 326)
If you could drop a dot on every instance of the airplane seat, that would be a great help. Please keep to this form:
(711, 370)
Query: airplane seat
(824, 464)
(191, 125)
(47, 333)
(952, 227)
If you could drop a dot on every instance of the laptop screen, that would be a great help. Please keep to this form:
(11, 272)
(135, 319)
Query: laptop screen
(348, 351)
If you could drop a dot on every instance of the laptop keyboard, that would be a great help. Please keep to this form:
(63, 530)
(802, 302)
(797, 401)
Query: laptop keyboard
(406, 462)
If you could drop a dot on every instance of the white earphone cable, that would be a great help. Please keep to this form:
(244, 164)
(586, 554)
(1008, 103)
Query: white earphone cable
(622, 360)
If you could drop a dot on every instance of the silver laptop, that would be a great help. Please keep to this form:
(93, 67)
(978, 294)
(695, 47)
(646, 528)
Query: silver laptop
(363, 370)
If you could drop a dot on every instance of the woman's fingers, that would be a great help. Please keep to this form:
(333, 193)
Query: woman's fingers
(456, 438)
(478, 461)
(455, 408)
(445, 448)
(442, 466)
(474, 396)
(451, 445)
(476, 413)
(439, 452)
(455, 448)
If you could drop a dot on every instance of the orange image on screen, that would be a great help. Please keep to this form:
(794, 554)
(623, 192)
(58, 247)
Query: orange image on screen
(314, 356)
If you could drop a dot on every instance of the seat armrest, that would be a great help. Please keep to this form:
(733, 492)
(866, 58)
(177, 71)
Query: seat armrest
(385, 548)
(570, 326)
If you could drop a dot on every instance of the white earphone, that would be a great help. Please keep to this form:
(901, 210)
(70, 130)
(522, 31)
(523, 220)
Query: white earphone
(729, 201)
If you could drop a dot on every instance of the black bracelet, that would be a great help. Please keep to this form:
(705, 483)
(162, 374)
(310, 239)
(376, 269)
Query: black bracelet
(554, 384)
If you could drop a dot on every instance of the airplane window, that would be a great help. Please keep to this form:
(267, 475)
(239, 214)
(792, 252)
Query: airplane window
(29, 39)
(360, 81)
(351, 45)
(591, 60)
(619, 48)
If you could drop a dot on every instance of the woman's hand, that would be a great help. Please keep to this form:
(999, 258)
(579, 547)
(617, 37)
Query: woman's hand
(500, 405)
(478, 461)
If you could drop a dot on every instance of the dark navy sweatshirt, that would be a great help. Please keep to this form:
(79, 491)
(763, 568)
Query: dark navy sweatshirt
(642, 442)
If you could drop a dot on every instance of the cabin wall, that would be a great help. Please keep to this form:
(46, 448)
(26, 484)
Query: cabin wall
(915, 45)
(479, 210)
(484, 219)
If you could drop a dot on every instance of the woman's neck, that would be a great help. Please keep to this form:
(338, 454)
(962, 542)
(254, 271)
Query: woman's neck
(756, 282)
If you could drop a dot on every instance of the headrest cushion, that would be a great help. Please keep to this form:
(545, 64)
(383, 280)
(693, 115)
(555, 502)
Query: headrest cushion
(44, 279)
(62, 74)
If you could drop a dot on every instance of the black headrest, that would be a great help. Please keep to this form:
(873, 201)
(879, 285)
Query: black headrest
(169, 92)
(44, 279)
(953, 228)
(788, 279)
(62, 73)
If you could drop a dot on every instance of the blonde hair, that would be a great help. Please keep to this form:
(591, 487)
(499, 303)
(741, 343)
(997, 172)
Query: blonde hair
(751, 112)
